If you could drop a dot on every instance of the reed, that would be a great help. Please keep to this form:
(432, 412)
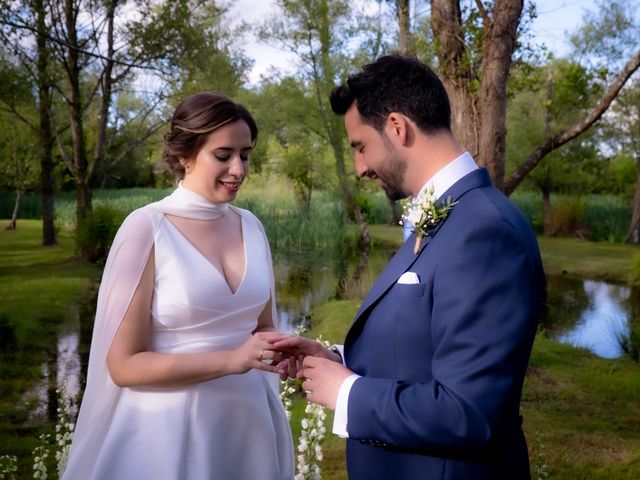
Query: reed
(605, 218)
(321, 224)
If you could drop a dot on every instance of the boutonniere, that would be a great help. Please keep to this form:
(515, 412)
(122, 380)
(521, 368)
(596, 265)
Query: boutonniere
(424, 213)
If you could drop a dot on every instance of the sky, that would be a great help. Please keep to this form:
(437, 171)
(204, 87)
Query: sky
(555, 19)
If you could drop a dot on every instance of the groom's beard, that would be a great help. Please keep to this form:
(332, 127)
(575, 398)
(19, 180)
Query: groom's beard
(391, 173)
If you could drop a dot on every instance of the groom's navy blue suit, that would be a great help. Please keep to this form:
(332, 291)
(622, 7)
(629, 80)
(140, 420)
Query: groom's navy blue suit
(443, 361)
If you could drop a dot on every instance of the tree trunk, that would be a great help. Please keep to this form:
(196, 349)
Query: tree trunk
(107, 87)
(80, 164)
(546, 210)
(45, 135)
(404, 30)
(403, 8)
(633, 236)
(497, 49)
(14, 216)
(457, 76)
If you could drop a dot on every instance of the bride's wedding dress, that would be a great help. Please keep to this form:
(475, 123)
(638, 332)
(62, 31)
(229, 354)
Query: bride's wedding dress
(232, 427)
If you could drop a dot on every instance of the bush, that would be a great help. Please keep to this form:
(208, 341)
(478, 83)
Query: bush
(565, 219)
(95, 234)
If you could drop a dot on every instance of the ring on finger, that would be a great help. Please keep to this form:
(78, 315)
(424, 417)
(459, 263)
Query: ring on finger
(261, 354)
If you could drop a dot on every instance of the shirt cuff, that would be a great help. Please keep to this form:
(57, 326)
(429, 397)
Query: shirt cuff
(342, 406)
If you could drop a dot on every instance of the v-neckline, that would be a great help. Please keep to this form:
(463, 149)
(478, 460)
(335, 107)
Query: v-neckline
(216, 269)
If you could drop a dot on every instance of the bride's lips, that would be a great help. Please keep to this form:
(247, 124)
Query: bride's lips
(232, 187)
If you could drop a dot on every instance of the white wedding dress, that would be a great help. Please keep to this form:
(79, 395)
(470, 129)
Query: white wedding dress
(232, 427)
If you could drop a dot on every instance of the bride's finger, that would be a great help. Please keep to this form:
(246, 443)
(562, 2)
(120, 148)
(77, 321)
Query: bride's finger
(267, 367)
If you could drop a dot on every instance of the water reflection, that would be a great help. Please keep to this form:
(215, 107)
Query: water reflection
(304, 281)
(61, 372)
(589, 314)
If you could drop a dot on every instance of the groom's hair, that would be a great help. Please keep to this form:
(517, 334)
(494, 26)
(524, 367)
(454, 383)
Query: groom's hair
(395, 83)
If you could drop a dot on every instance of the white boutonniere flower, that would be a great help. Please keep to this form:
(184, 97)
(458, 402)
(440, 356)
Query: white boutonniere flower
(424, 213)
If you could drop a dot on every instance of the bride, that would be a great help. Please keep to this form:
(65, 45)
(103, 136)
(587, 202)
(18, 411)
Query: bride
(176, 385)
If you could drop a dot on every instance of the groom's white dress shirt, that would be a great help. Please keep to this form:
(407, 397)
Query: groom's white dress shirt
(444, 179)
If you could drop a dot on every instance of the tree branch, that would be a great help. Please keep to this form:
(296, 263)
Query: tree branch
(12, 109)
(573, 131)
(65, 44)
(486, 20)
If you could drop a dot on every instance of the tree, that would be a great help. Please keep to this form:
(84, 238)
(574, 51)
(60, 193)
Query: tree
(318, 32)
(608, 38)
(546, 99)
(18, 168)
(38, 65)
(475, 48)
(293, 143)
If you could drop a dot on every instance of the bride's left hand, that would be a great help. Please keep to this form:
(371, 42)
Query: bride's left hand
(258, 353)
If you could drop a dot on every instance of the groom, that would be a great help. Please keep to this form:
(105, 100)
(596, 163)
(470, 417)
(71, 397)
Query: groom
(429, 381)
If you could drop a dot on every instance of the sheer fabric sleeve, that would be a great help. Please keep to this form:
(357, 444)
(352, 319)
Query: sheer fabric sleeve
(123, 270)
(272, 282)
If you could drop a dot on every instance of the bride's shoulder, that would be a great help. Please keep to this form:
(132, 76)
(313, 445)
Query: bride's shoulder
(140, 222)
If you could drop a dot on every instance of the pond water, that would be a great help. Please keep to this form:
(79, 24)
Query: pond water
(584, 313)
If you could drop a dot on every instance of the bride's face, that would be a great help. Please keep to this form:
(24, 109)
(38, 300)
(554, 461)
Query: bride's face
(218, 169)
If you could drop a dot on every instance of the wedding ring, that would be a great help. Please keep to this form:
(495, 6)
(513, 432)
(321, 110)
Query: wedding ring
(260, 357)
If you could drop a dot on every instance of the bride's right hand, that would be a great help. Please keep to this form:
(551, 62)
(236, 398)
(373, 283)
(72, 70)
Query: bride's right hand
(254, 352)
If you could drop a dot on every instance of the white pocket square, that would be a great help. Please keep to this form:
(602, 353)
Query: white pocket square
(409, 278)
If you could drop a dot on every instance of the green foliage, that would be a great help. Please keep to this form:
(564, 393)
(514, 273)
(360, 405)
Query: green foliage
(623, 174)
(530, 204)
(546, 100)
(607, 217)
(602, 217)
(190, 43)
(95, 234)
(608, 35)
(321, 225)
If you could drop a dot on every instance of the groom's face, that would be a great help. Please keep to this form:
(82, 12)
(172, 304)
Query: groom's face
(375, 155)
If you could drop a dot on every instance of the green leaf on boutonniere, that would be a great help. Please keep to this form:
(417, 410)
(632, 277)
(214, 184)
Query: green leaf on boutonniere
(425, 213)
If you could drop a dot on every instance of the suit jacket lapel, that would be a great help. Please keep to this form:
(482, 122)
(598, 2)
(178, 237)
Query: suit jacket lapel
(405, 257)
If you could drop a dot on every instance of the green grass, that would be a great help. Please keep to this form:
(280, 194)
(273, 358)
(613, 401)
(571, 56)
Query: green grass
(582, 412)
(598, 260)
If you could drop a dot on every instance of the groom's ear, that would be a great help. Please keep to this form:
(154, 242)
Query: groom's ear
(398, 128)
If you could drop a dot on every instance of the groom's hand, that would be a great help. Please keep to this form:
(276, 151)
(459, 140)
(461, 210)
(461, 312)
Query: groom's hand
(295, 348)
(323, 378)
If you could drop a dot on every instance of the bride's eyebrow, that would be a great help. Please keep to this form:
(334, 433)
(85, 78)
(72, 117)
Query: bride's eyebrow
(230, 149)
